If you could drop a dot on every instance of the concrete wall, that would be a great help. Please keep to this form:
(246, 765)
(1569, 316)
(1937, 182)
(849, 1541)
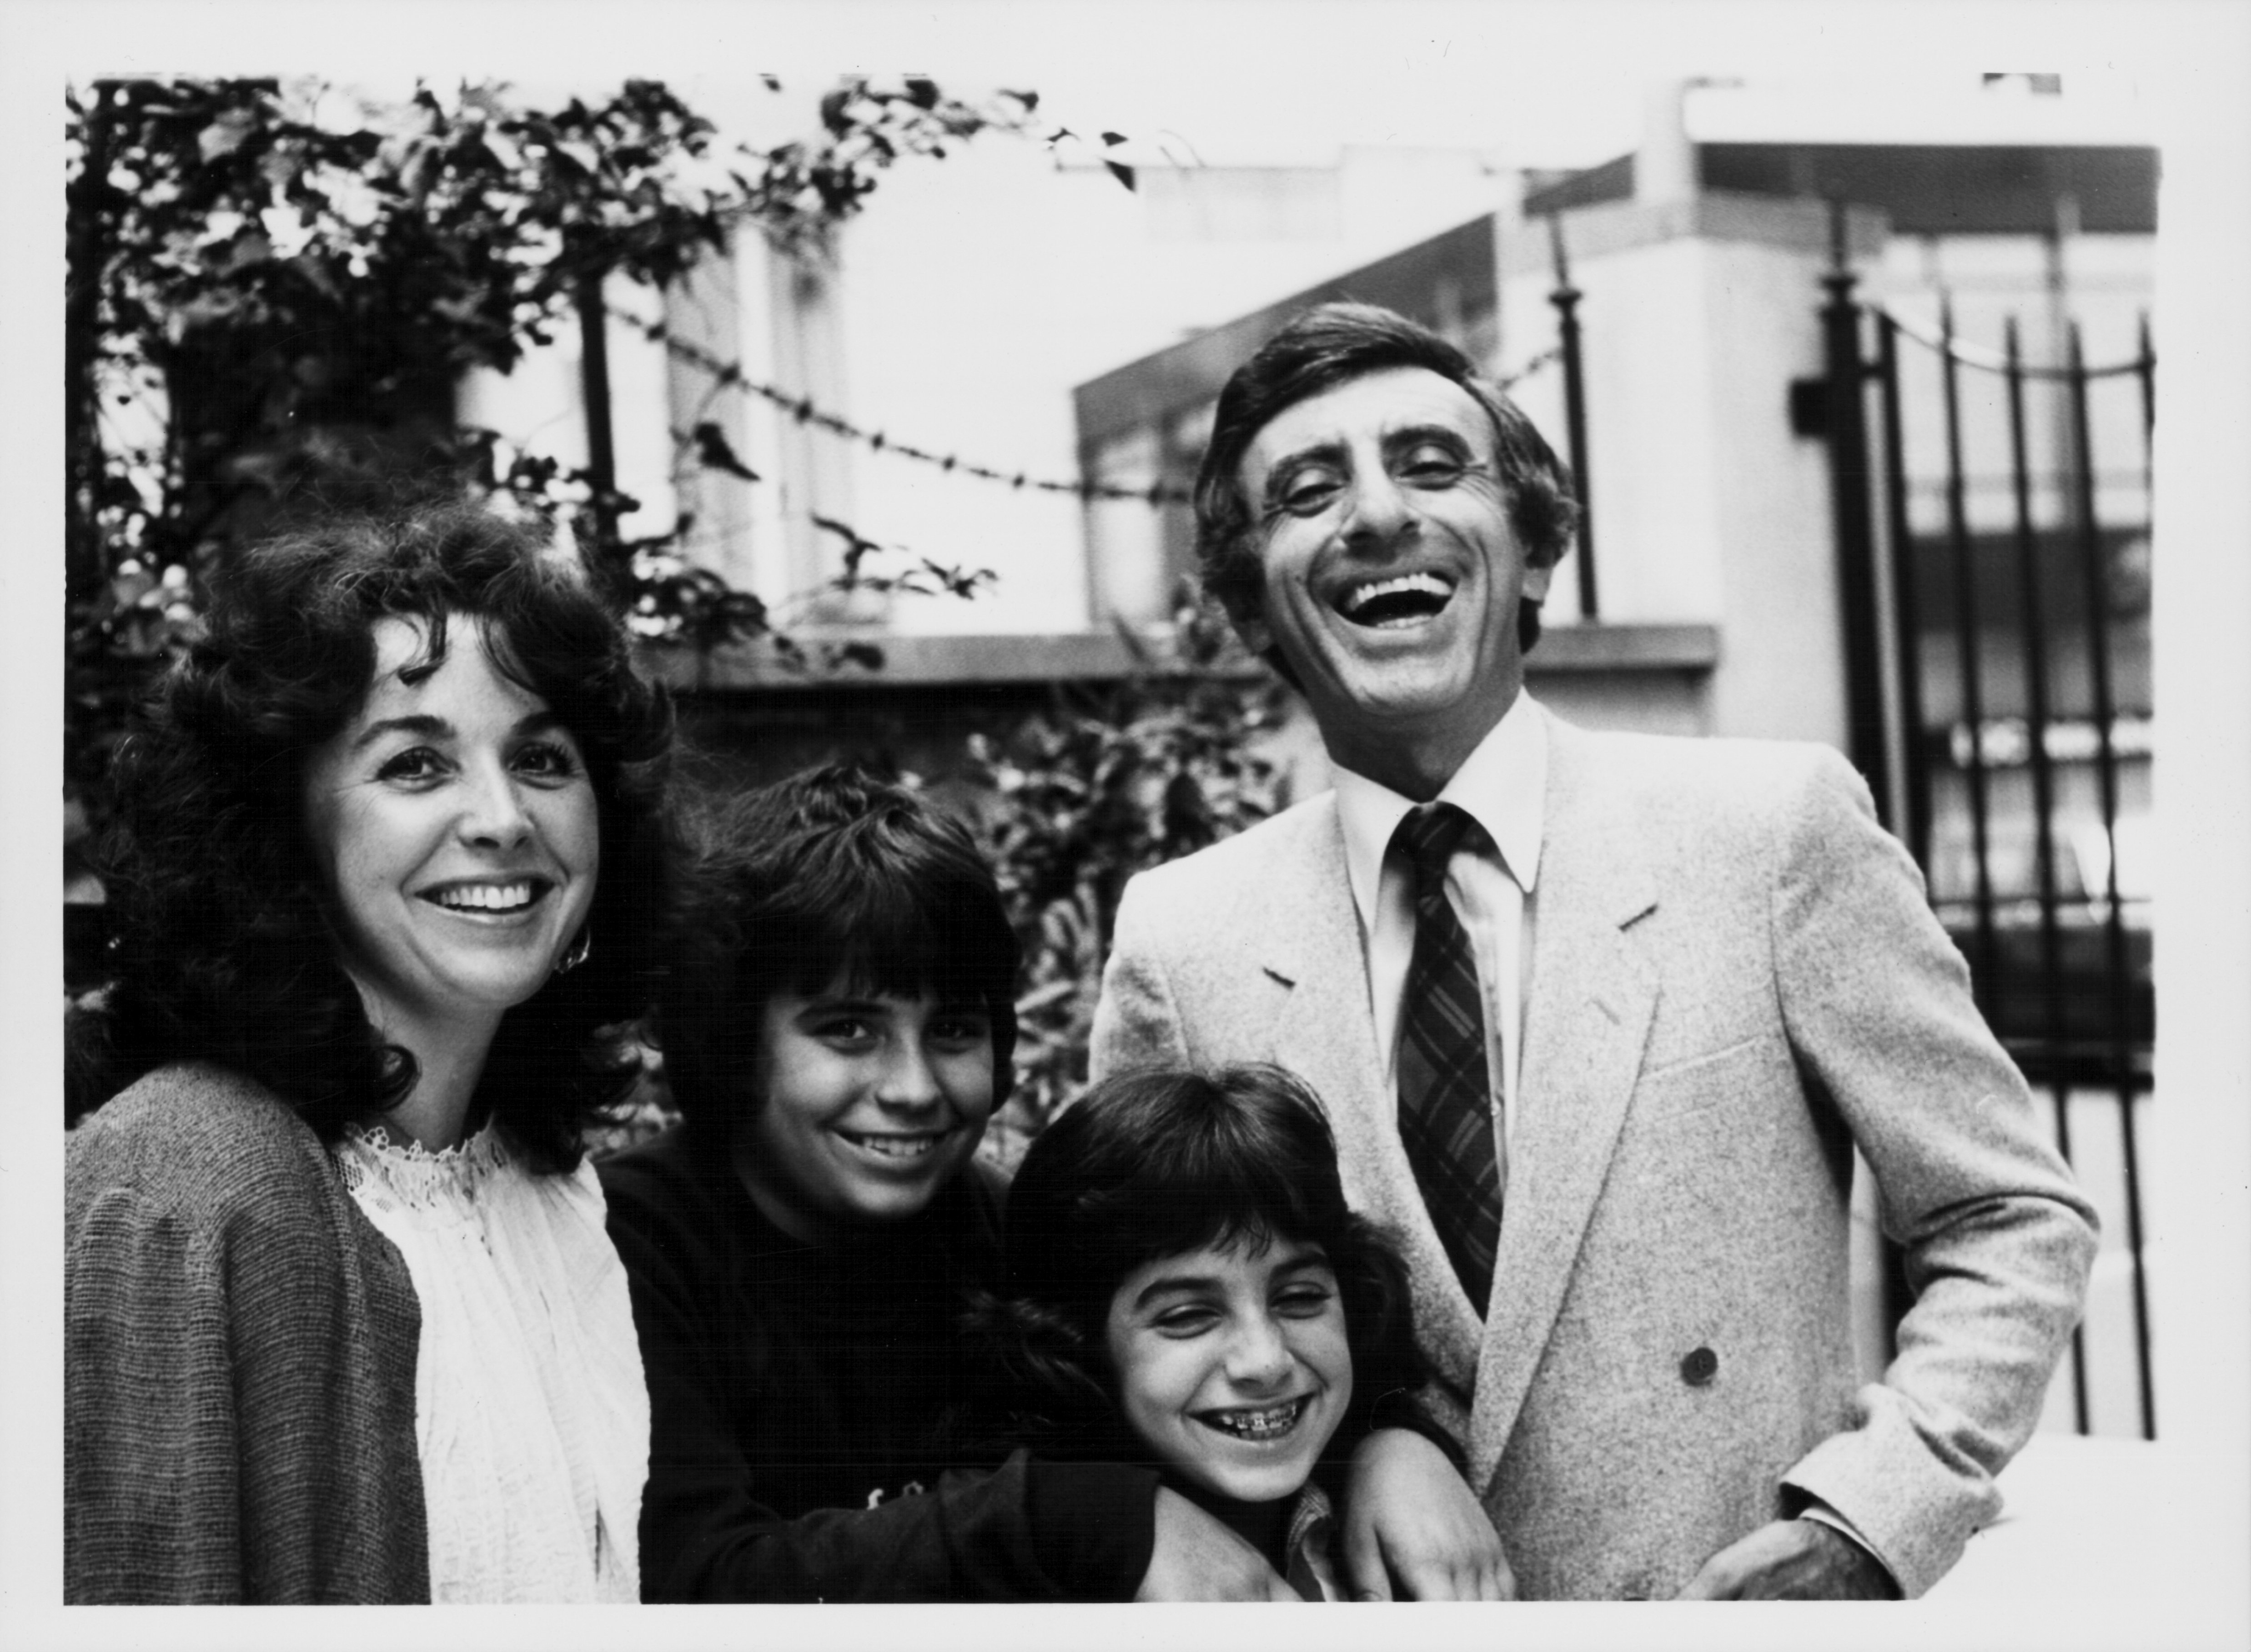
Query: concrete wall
(972, 295)
(1696, 315)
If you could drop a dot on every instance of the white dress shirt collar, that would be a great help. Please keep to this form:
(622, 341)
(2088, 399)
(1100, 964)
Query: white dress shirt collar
(1502, 785)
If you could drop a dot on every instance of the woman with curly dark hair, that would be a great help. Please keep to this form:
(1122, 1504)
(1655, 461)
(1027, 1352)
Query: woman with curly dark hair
(1187, 1288)
(342, 1320)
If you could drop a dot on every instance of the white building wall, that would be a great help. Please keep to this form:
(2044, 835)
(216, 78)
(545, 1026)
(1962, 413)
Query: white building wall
(1651, 438)
(641, 445)
(537, 407)
(1696, 315)
(1781, 668)
(974, 292)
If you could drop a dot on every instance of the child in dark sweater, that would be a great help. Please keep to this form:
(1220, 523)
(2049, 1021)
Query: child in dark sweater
(839, 1009)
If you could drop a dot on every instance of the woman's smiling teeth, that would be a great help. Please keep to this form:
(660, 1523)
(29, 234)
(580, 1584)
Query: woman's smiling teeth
(891, 1145)
(1403, 599)
(488, 897)
(1269, 1422)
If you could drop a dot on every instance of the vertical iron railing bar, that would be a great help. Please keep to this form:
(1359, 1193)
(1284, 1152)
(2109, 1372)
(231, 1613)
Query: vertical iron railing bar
(2145, 368)
(1846, 407)
(2037, 713)
(2036, 682)
(1916, 769)
(1967, 637)
(2147, 372)
(2105, 712)
(2129, 1140)
(1897, 1295)
(1566, 298)
(594, 391)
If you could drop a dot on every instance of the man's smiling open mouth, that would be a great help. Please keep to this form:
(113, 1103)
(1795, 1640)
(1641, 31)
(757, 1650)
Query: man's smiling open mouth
(1396, 600)
(499, 900)
(1264, 1422)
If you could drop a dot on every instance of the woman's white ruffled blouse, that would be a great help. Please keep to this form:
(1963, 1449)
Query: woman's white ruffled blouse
(529, 1406)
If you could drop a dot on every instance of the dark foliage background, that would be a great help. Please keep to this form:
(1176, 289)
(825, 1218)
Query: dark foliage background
(273, 287)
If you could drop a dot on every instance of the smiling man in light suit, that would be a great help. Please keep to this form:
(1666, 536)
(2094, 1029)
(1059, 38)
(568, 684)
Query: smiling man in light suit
(1599, 1019)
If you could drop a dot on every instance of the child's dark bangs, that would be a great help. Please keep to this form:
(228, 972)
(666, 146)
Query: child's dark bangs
(1184, 1217)
(1267, 1205)
(883, 939)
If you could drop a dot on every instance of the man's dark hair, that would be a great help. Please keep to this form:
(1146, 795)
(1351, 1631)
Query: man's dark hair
(1317, 350)
(222, 949)
(831, 874)
(1154, 1164)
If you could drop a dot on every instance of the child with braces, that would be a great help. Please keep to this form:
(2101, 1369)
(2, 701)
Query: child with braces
(1187, 1286)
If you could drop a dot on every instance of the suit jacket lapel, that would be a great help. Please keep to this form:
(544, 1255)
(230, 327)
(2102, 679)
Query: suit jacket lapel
(1588, 1020)
(1324, 1034)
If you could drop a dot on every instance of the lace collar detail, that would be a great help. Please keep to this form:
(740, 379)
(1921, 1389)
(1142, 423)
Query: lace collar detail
(374, 1161)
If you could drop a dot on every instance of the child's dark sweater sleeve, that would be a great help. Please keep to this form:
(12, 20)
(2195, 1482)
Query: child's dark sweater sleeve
(1025, 1531)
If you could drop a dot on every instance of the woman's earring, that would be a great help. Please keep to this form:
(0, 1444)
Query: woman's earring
(579, 949)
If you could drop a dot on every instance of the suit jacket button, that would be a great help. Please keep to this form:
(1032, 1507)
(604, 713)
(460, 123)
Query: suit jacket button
(1699, 1367)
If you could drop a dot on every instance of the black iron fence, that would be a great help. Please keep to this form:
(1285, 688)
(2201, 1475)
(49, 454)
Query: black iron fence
(1565, 298)
(1995, 559)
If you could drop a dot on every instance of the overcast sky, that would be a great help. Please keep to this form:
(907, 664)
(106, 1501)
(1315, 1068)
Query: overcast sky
(1546, 82)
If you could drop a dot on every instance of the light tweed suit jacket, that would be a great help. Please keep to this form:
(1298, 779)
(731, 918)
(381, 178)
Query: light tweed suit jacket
(1735, 978)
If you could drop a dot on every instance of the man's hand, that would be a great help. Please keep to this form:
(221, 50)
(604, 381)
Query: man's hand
(1409, 1517)
(1791, 1561)
(1199, 1559)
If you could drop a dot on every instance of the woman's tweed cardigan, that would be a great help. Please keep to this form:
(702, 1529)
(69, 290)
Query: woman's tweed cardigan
(238, 1361)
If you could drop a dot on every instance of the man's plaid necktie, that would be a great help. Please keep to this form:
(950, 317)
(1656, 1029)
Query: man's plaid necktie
(1445, 1098)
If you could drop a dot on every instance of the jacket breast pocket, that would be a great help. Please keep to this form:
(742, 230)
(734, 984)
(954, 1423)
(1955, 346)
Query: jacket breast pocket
(1695, 1084)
